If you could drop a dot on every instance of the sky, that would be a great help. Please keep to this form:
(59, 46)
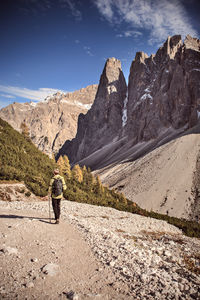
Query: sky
(49, 45)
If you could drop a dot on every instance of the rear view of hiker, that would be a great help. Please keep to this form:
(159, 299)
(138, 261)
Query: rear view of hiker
(56, 187)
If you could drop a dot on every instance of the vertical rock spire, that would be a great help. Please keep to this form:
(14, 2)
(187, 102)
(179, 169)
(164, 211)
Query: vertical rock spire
(103, 121)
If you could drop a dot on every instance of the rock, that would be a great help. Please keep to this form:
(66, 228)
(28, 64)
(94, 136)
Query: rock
(34, 260)
(30, 285)
(71, 295)
(112, 263)
(50, 269)
(167, 253)
(9, 250)
(103, 121)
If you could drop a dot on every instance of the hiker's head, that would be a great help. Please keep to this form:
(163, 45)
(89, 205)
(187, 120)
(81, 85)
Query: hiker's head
(56, 172)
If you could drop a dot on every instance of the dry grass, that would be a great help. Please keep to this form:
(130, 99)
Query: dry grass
(120, 230)
(192, 263)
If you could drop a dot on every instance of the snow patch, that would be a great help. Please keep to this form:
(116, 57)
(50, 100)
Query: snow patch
(198, 114)
(77, 103)
(33, 104)
(147, 90)
(198, 70)
(111, 89)
(167, 71)
(87, 106)
(146, 96)
(124, 112)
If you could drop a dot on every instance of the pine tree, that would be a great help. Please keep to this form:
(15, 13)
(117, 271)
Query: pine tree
(60, 163)
(25, 130)
(88, 178)
(77, 173)
(66, 168)
(99, 189)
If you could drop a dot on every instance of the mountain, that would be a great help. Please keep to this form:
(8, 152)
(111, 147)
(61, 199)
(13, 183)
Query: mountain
(102, 122)
(53, 120)
(161, 102)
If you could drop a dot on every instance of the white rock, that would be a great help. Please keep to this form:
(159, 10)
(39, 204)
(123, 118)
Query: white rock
(50, 269)
(9, 250)
(30, 285)
(34, 259)
(112, 263)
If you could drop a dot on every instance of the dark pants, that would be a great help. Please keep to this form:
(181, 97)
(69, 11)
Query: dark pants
(56, 207)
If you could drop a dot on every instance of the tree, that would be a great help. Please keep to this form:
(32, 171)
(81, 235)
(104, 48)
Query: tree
(66, 167)
(77, 173)
(99, 189)
(60, 163)
(25, 130)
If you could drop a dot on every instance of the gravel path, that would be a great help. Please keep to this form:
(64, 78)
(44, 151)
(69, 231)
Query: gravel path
(133, 257)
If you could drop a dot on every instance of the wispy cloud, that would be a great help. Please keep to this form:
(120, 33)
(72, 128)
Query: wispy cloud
(36, 95)
(71, 4)
(129, 33)
(7, 96)
(34, 6)
(88, 51)
(160, 17)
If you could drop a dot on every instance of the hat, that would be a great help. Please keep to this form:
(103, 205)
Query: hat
(56, 171)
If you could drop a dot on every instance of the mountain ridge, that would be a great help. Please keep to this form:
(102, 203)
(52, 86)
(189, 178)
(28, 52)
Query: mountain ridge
(162, 100)
(53, 120)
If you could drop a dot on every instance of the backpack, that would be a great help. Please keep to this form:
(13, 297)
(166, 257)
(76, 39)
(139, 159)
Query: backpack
(57, 187)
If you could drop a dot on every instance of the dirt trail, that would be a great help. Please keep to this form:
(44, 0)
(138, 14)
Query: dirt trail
(29, 242)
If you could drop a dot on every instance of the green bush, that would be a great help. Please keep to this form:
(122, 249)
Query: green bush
(27, 194)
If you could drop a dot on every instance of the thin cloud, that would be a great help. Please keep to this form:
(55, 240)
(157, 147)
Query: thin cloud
(34, 6)
(37, 95)
(129, 33)
(160, 17)
(88, 51)
(7, 96)
(71, 4)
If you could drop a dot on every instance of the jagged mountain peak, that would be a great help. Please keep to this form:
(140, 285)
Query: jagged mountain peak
(53, 120)
(192, 43)
(162, 100)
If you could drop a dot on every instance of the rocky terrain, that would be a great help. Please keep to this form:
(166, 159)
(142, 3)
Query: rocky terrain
(53, 120)
(161, 102)
(165, 180)
(94, 253)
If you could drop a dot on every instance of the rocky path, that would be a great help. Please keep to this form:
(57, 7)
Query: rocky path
(102, 254)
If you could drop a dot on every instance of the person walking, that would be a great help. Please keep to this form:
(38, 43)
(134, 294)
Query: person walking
(56, 188)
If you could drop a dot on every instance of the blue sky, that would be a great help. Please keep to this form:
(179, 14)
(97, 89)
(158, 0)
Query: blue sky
(49, 45)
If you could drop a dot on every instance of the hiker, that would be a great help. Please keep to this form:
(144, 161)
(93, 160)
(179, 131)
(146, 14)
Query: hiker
(56, 187)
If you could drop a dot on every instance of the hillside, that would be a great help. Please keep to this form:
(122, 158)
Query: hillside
(20, 160)
(94, 253)
(165, 180)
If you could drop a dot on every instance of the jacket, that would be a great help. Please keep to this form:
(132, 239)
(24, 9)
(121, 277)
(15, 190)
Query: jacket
(51, 183)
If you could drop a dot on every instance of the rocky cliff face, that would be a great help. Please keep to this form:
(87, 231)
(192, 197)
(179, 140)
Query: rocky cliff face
(102, 123)
(52, 121)
(163, 90)
(163, 100)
